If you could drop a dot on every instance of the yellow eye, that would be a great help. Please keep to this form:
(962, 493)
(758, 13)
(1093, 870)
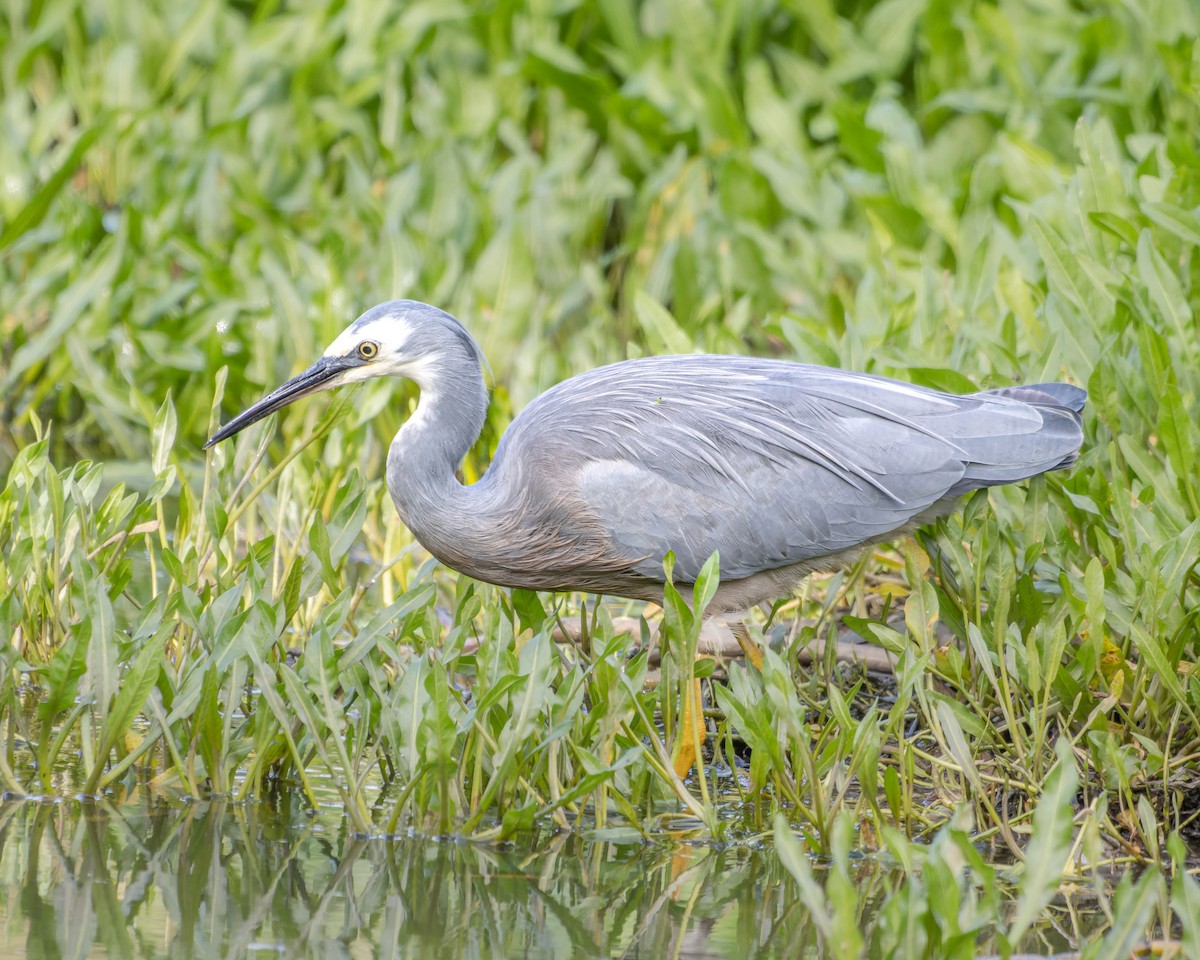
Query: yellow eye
(368, 349)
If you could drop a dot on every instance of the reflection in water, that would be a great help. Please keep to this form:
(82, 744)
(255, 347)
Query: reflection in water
(215, 879)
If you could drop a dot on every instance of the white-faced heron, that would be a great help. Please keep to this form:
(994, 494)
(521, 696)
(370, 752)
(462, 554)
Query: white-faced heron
(783, 468)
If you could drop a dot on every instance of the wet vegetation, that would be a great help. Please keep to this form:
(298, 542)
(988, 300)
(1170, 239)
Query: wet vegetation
(195, 199)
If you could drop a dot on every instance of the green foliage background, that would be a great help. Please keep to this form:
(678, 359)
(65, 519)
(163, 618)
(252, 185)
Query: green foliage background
(959, 194)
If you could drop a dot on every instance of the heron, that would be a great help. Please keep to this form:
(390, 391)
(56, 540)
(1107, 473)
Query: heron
(780, 468)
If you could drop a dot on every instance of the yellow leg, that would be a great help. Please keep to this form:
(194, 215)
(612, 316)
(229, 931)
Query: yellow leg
(691, 731)
(749, 647)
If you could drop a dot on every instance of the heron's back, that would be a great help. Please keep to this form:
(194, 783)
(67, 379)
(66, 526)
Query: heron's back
(770, 463)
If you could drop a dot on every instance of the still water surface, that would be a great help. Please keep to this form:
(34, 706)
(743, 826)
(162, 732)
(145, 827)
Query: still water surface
(259, 880)
(214, 879)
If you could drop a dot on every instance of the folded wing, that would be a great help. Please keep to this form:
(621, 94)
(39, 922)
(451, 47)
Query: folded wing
(773, 463)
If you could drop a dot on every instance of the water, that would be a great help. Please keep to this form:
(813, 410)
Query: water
(216, 879)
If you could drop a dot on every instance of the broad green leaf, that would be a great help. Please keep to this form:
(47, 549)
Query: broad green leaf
(1153, 650)
(1184, 224)
(136, 685)
(706, 585)
(1050, 842)
(1134, 904)
(1119, 227)
(1069, 275)
(101, 674)
(660, 326)
(163, 435)
(956, 743)
(1166, 292)
(39, 205)
(795, 861)
(530, 611)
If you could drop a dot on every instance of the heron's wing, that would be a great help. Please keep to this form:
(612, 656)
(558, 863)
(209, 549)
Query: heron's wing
(773, 463)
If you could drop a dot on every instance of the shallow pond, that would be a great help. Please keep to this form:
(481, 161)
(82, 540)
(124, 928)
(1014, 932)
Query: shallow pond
(215, 879)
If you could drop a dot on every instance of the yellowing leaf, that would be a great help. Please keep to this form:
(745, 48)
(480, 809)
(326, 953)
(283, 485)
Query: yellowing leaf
(1115, 669)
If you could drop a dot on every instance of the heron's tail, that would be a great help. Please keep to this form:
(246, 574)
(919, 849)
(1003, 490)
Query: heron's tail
(1054, 446)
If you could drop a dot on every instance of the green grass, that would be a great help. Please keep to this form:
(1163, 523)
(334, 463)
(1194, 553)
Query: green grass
(195, 199)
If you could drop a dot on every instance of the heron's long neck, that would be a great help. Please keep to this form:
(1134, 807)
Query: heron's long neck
(428, 450)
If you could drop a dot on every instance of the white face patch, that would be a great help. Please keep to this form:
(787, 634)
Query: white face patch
(389, 331)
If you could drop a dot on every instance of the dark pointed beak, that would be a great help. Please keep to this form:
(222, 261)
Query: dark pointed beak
(317, 377)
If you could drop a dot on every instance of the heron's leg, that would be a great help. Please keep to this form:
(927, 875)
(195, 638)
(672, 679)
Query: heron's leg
(691, 731)
(712, 642)
(746, 642)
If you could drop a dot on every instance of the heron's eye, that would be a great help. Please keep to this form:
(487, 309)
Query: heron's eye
(368, 349)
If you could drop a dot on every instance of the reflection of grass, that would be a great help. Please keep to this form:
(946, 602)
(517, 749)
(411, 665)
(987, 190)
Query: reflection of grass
(146, 878)
(955, 196)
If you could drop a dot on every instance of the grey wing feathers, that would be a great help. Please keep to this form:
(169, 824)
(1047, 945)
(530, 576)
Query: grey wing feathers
(1045, 394)
(774, 463)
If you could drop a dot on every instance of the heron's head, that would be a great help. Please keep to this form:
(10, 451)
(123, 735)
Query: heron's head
(400, 338)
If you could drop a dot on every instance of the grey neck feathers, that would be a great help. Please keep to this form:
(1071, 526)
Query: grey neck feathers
(429, 448)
